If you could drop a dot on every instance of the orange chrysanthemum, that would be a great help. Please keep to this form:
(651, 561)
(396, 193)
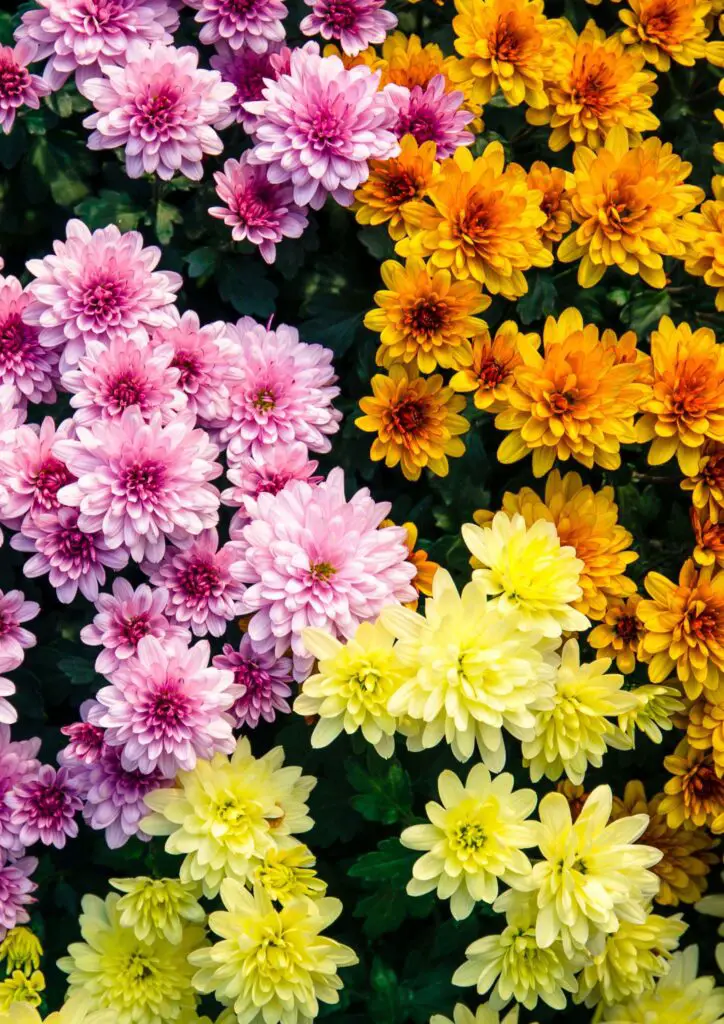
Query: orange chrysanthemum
(555, 186)
(393, 183)
(483, 222)
(709, 538)
(573, 400)
(619, 635)
(695, 794)
(707, 484)
(705, 252)
(368, 57)
(686, 405)
(587, 521)
(719, 114)
(425, 317)
(598, 84)
(629, 205)
(687, 857)
(705, 729)
(490, 374)
(685, 628)
(666, 30)
(416, 420)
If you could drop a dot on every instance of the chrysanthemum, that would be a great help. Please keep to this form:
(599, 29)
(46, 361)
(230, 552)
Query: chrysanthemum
(395, 182)
(694, 795)
(77, 38)
(97, 286)
(308, 138)
(312, 558)
(72, 559)
(18, 764)
(406, 61)
(483, 222)
(470, 672)
(166, 707)
(709, 540)
(227, 813)
(599, 83)
(654, 714)
(433, 114)
(261, 682)
(490, 375)
(416, 420)
(352, 686)
(142, 982)
(706, 483)
(425, 317)
(680, 997)
(288, 874)
(21, 990)
(266, 472)
(256, 209)
(705, 728)
(247, 70)
(85, 741)
(256, 24)
(281, 391)
(162, 108)
(18, 87)
(16, 889)
(619, 637)
(14, 638)
(666, 30)
(21, 950)
(355, 24)
(575, 731)
(158, 907)
(44, 807)
(705, 251)
(629, 205)
(24, 364)
(474, 841)
(425, 568)
(272, 965)
(484, 1014)
(555, 186)
(141, 484)
(123, 618)
(32, 475)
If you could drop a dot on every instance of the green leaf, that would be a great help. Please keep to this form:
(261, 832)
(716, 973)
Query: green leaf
(390, 861)
(78, 670)
(202, 262)
(247, 288)
(385, 792)
(645, 310)
(377, 242)
(166, 216)
(540, 300)
(110, 207)
(13, 146)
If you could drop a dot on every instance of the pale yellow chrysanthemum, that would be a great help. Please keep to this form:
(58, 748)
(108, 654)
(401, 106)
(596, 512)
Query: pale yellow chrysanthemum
(272, 966)
(21, 950)
(576, 730)
(228, 812)
(158, 907)
(77, 1009)
(288, 874)
(470, 673)
(527, 571)
(714, 905)
(679, 998)
(483, 1015)
(593, 874)
(474, 840)
(140, 982)
(352, 686)
(21, 988)
(654, 713)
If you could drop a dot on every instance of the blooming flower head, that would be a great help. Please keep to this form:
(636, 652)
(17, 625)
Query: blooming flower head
(44, 807)
(490, 374)
(619, 637)
(406, 61)
(629, 204)
(140, 483)
(312, 558)
(483, 1015)
(18, 87)
(31, 473)
(272, 979)
(393, 183)
(679, 997)
(528, 572)
(18, 764)
(16, 891)
(694, 795)
(483, 222)
(706, 483)
(14, 638)
(352, 686)
(158, 907)
(433, 114)
(287, 874)
(311, 139)
(97, 286)
(709, 539)
(666, 30)
(555, 186)
(705, 728)
(267, 472)
(256, 209)
(247, 70)
(475, 839)
(356, 24)
(162, 108)
(574, 730)
(21, 950)
(86, 741)
(705, 252)
(19, 989)
(654, 714)
(417, 421)
(262, 682)
(257, 24)
(24, 364)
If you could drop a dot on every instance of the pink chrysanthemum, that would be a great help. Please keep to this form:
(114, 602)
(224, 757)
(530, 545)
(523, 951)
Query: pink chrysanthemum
(16, 889)
(72, 559)
(268, 472)
(320, 125)
(166, 707)
(252, 23)
(162, 107)
(76, 34)
(355, 24)
(86, 740)
(202, 582)
(18, 87)
(24, 363)
(44, 808)
(8, 714)
(255, 209)
(124, 617)
(141, 484)
(31, 474)
(12, 416)
(431, 115)
(315, 559)
(246, 70)
(18, 763)
(14, 638)
(98, 286)
(127, 372)
(262, 682)
(282, 392)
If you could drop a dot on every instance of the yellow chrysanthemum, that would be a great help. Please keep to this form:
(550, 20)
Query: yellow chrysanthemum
(680, 997)
(705, 251)
(707, 482)
(666, 30)
(272, 966)
(575, 399)
(228, 812)
(599, 84)
(21, 950)
(416, 420)
(407, 62)
(470, 673)
(289, 874)
(654, 712)
(483, 1015)
(719, 114)
(709, 540)
(686, 853)
(425, 317)
(22, 988)
(704, 730)
(555, 186)
(619, 636)
(352, 686)
(140, 982)
(528, 572)
(475, 839)
(629, 205)
(483, 222)
(75, 1010)
(686, 404)
(694, 795)
(393, 183)
(153, 907)
(490, 375)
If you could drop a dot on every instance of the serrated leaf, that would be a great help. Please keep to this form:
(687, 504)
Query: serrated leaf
(246, 287)
(389, 861)
(110, 207)
(385, 792)
(166, 217)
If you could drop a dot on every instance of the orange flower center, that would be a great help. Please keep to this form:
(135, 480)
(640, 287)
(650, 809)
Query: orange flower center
(687, 395)
(491, 373)
(409, 416)
(400, 187)
(627, 628)
(425, 317)
(660, 20)
(562, 401)
(703, 784)
(507, 39)
(713, 472)
(703, 624)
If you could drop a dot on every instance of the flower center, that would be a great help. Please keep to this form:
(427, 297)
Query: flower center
(51, 476)
(400, 188)
(49, 802)
(137, 968)
(422, 124)
(491, 373)
(470, 835)
(168, 707)
(16, 340)
(426, 317)
(14, 80)
(78, 546)
(409, 416)
(562, 401)
(252, 677)
(703, 624)
(155, 115)
(234, 8)
(188, 364)
(323, 129)
(713, 472)
(505, 41)
(98, 15)
(627, 628)
(135, 629)
(660, 20)
(264, 400)
(200, 579)
(341, 14)
(321, 570)
(256, 209)
(101, 301)
(125, 390)
(143, 481)
(704, 783)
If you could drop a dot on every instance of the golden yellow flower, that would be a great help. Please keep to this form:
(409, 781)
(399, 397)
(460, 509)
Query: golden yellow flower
(416, 420)
(709, 539)
(490, 375)
(705, 251)
(705, 729)
(483, 222)
(407, 62)
(719, 114)
(425, 317)
(707, 482)
(666, 30)
(695, 793)
(619, 635)
(572, 400)
(686, 404)
(393, 183)
(629, 204)
(555, 186)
